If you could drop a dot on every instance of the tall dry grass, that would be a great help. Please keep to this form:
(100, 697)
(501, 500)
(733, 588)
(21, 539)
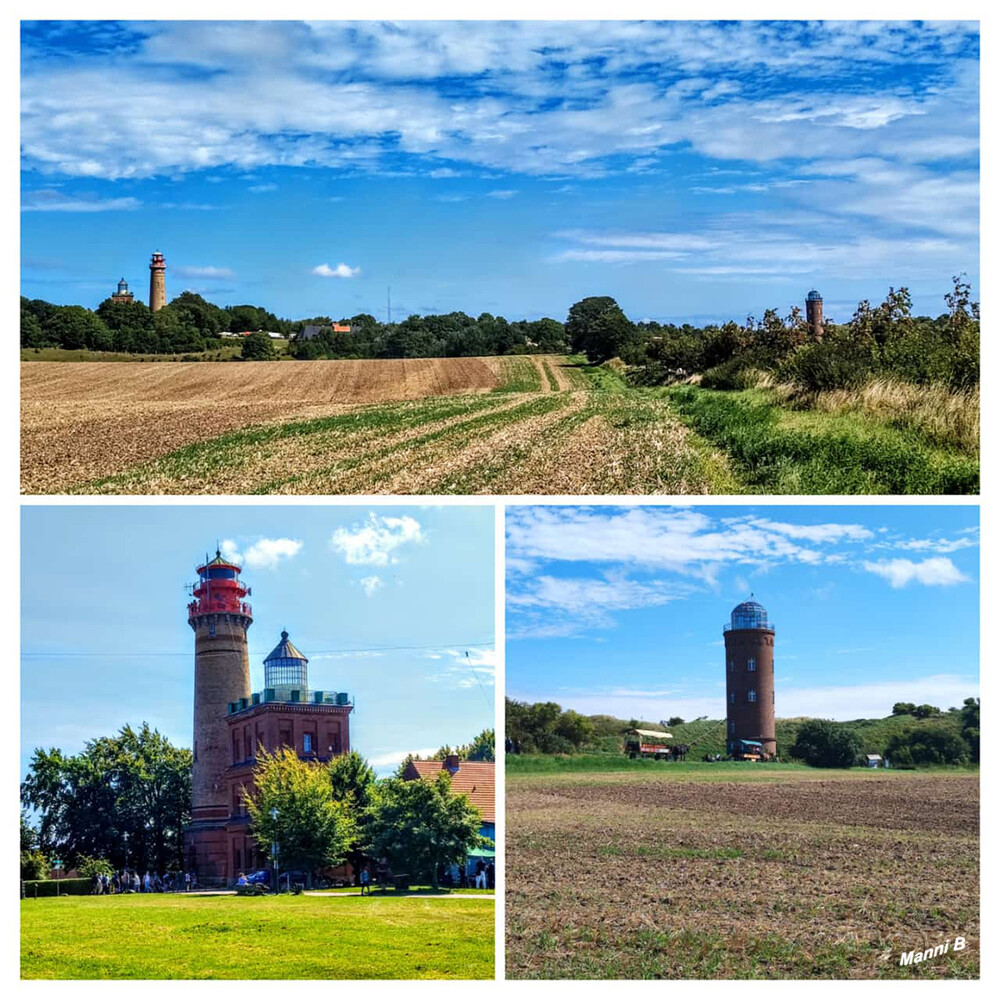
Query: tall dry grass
(945, 416)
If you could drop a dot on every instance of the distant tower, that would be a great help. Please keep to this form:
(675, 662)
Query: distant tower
(749, 639)
(286, 667)
(220, 619)
(123, 294)
(157, 282)
(814, 314)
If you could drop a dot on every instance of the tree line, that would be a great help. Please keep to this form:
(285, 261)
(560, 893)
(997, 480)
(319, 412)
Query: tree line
(125, 800)
(884, 340)
(934, 736)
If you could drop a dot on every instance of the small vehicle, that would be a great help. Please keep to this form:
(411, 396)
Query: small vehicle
(648, 743)
(263, 877)
(751, 750)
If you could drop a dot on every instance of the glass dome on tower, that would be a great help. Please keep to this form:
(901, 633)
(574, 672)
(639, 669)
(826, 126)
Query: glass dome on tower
(814, 296)
(285, 666)
(749, 614)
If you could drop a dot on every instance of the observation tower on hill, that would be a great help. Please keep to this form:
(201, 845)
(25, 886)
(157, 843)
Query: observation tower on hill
(157, 282)
(749, 640)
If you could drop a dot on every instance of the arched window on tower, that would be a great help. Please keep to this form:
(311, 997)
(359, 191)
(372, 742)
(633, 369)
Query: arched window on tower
(732, 727)
(751, 695)
(732, 697)
(752, 664)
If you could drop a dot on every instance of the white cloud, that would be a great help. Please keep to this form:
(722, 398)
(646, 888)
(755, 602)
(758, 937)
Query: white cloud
(936, 572)
(370, 584)
(265, 553)
(340, 271)
(209, 272)
(501, 194)
(262, 188)
(374, 542)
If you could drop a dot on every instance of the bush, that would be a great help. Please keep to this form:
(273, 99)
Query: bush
(826, 744)
(927, 744)
(832, 364)
(34, 865)
(67, 887)
(740, 372)
(88, 867)
(257, 347)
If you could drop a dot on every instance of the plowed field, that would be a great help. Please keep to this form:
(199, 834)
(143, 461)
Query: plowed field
(459, 425)
(788, 875)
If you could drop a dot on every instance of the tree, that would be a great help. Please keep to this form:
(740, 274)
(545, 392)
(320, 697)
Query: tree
(903, 708)
(675, 720)
(482, 747)
(134, 784)
(89, 867)
(962, 311)
(575, 728)
(312, 829)
(34, 864)
(970, 726)
(598, 327)
(31, 330)
(821, 743)
(421, 825)
(925, 711)
(257, 347)
(76, 328)
(352, 783)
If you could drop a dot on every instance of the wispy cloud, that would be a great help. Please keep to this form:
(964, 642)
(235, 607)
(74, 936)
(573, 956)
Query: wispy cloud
(936, 572)
(208, 272)
(371, 584)
(58, 201)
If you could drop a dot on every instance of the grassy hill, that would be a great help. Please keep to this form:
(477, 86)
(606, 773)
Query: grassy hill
(708, 736)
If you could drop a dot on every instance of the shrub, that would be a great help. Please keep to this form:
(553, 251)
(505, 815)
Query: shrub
(927, 744)
(89, 867)
(257, 347)
(831, 364)
(737, 373)
(67, 887)
(34, 865)
(826, 744)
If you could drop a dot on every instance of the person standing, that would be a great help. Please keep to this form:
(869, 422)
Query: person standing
(366, 882)
(491, 876)
(480, 874)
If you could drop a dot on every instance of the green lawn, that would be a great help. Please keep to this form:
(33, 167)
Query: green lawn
(230, 937)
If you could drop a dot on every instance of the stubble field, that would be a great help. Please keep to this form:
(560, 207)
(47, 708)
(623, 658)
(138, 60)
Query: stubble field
(700, 871)
(454, 425)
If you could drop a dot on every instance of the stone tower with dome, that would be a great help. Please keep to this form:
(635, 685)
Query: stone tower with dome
(749, 641)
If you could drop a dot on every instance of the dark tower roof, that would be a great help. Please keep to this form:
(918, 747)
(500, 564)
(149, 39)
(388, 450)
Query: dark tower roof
(749, 614)
(285, 650)
(814, 296)
(220, 561)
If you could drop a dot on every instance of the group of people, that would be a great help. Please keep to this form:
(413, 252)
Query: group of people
(486, 875)
(130, 881)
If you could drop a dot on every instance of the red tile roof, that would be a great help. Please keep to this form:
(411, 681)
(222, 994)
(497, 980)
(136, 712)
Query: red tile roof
(476, 778)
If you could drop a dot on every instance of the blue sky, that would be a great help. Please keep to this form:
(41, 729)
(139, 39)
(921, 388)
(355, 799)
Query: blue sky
(621, 610)
(694, 171)
(105, 639)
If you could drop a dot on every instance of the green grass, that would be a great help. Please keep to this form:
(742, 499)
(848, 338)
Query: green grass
(805, 452)
(520, 374)
(229, 937)
(602, 377)
(584, 763)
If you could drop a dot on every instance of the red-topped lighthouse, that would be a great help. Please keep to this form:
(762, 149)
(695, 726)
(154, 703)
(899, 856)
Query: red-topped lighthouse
(220, 617)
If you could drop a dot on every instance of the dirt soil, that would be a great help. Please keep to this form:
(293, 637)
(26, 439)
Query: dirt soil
(782, 878)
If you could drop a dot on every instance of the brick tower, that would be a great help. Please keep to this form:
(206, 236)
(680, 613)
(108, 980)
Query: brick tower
(749, 639)
(220, 618)
(157, 282)
(814, 314)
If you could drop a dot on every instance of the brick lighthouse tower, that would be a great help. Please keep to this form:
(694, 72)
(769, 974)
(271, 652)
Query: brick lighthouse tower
(814, 314)
(749, 639)
(220, 618)
(157, 282)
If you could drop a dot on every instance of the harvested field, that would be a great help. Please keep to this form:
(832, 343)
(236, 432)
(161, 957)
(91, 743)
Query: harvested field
(690, 873)
(520, 424)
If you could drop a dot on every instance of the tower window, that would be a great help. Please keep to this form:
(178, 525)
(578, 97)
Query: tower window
(751, 695)
(732, 727)
(732, 665)
(751, 664)
(211, 630)
(732, 697)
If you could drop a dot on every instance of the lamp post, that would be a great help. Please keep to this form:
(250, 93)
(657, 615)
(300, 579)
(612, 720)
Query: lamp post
(274, 847)
(125, 835)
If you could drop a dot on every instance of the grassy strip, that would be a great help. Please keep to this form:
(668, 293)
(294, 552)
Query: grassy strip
(458, 435)
(805, 452)
(602, 377)
(228, 937)
(520, 374)
(528, 764)
(228, 353)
